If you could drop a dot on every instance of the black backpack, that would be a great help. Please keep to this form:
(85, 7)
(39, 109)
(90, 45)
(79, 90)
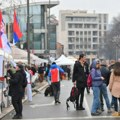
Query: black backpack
(72, 98)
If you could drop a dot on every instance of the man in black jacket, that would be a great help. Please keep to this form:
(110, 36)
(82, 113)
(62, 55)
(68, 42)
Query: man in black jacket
(105, 72)
(16, 91)
(79, 78)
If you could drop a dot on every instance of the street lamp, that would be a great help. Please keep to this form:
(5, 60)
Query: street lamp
(28, 36)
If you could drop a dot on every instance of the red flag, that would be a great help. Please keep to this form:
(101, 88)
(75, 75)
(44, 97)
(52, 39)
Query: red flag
(1, 46)
(17, 34)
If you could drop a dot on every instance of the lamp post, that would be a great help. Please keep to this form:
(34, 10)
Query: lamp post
(28, 36)
(48, 46)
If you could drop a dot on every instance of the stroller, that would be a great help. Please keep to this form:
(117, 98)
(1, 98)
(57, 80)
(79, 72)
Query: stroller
(72, 98)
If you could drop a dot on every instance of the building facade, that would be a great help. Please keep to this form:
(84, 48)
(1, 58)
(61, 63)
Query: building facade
(39, 14)
(82, 32)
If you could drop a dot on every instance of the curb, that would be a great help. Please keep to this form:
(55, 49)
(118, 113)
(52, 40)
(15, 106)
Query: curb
(10, 109)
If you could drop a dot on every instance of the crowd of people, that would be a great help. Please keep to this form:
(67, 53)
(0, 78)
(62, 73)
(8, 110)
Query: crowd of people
(104, 78)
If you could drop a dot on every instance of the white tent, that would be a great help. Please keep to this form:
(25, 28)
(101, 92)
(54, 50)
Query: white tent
(62, 60)
(20, 55)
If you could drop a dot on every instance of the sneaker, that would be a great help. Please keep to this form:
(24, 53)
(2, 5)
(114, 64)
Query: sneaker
(15, 117)
(99, 111)
(109, 111)
(58, 102)
(95, 114)
(55, 102)
(115, 114)
(77, 108)
(81, 108)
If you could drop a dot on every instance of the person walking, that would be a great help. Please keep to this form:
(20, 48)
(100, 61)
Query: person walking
(79, 79)
(29, 88)
(55, 80)
(114, 87)
(41, 73)
(46, 74)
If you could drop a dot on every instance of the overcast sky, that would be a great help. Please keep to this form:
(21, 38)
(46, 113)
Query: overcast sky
(112, 7)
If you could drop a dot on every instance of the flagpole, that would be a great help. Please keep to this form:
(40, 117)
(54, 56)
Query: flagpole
(28, 38)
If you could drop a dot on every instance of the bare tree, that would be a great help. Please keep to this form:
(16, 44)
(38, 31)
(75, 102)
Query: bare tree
(112, 40)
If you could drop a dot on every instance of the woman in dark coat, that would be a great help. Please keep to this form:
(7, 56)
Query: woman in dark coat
(16, 92)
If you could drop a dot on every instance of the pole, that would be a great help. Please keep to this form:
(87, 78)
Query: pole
(49, 29)
(28, 38)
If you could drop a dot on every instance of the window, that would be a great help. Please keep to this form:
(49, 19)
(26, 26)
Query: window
(81, 32)
(70, 46)
(94, 40)
(77, 32)
(105, 27)
(69, 25)
(77, 39)
(70, 32)
(85, 39)
(85, 33)
(89, 32)
(95, 33)
(77, 46)
(89, 40)
(95, 46)
(81, 46)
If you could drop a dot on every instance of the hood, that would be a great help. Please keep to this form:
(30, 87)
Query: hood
(94, 63)
(54, 66)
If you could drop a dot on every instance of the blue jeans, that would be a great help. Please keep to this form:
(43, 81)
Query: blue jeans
(115, 102)
(96, 99)
(103, 89)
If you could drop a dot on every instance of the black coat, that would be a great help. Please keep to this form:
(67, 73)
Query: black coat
(79, 75)
(105, 72)
(16, 85)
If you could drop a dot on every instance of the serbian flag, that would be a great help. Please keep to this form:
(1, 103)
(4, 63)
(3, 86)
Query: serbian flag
(17, 34)
(4, 44)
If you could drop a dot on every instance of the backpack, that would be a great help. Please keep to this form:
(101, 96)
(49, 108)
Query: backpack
(73, 95)
(89, 80)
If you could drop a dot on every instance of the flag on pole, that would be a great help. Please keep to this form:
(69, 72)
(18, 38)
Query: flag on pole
(4, 44)
(17, 34)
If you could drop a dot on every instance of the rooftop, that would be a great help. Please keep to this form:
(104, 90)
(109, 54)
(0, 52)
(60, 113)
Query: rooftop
(12, 3)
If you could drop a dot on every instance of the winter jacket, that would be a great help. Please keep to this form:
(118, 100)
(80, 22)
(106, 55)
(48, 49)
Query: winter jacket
(16, 83)
(114, 85)
(105, 73)
(79, 75)
(54, 73)
(96, 75)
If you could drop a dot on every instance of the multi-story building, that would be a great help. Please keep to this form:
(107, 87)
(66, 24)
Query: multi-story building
(80, 31)
(40, 41)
